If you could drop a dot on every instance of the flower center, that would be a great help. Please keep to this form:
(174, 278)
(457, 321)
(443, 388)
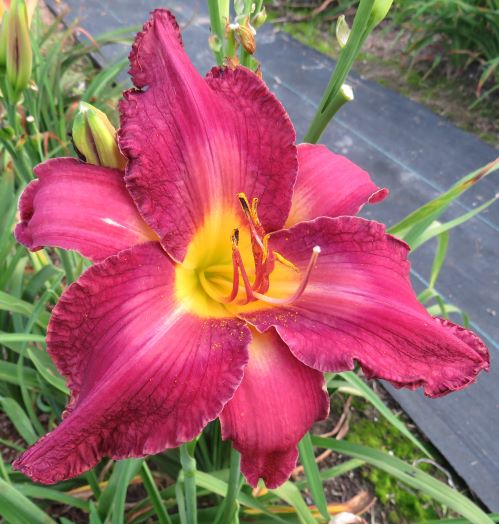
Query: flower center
(229, 266)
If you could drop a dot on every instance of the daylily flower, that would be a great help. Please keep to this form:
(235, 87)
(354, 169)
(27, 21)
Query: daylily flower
(216, 291)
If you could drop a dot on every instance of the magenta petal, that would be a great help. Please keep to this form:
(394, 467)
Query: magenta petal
(79, 206)
(276, 404)
(144, 374)
(359, 305)
(329, 185)
(195, 143)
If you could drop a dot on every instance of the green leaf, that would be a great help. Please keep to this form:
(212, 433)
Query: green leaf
(44, 493)
(15, 508)
(409, 475)
(311, 468)
(38, 280)
(414, 224)
(94, 515)
(104, 78)
(16, 305)
(215, 485)
(291, 494)
(9, 338)
(8, 373)
(154, 495)
(112, 501)
(493, 516)
(436, 228)
(371, 397)
(439, 258)
(47, 371)
(19, 419)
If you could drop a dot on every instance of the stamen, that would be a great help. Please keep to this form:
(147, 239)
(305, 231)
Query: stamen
(235, 282)
(243, 200)
(301, 288)
(253, 220)
(247, 286)
(254, 211)
(235, 237)
(236, 259)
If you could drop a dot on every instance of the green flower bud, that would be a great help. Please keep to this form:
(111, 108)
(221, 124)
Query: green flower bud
(259, 19)
(379, 11)
(19, 55)
(94, 137)
(342, 31)
(215, 43)
(3, 36)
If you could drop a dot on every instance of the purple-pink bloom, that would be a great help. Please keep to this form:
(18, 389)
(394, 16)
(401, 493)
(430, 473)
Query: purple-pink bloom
(229, 273)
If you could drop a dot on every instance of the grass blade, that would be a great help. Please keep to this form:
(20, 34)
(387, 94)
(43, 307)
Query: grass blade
(154, 494)
(15, 508)
(371, 397)
(19, 419)
(312, 474)
(291, 494)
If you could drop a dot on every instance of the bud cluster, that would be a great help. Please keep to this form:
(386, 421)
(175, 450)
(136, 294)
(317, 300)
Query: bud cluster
(239, 35)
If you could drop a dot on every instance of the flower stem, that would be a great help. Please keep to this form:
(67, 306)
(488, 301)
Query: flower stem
(154, 495)
(216, 27)
(230, 504)
(189, 469)
(328, 105)
(317, 126)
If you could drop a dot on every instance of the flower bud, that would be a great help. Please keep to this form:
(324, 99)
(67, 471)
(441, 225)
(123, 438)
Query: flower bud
(259, 19)
(215, 43)
(94, 137)
(378, 13)
(30, 7)
(3, 35)
(342, 31)
(246, 35)
(239, 7)
(19, 55)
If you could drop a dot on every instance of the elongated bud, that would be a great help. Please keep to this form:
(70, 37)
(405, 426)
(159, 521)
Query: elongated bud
(379, 11)
(19, 55)
(342, 31)
(30, 9)
(95, 138)
(259, 19)
(246, 35)
(3, 36)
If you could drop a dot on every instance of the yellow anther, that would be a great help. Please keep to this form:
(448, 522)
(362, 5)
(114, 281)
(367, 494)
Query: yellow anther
(243, 200)
(254, 212)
